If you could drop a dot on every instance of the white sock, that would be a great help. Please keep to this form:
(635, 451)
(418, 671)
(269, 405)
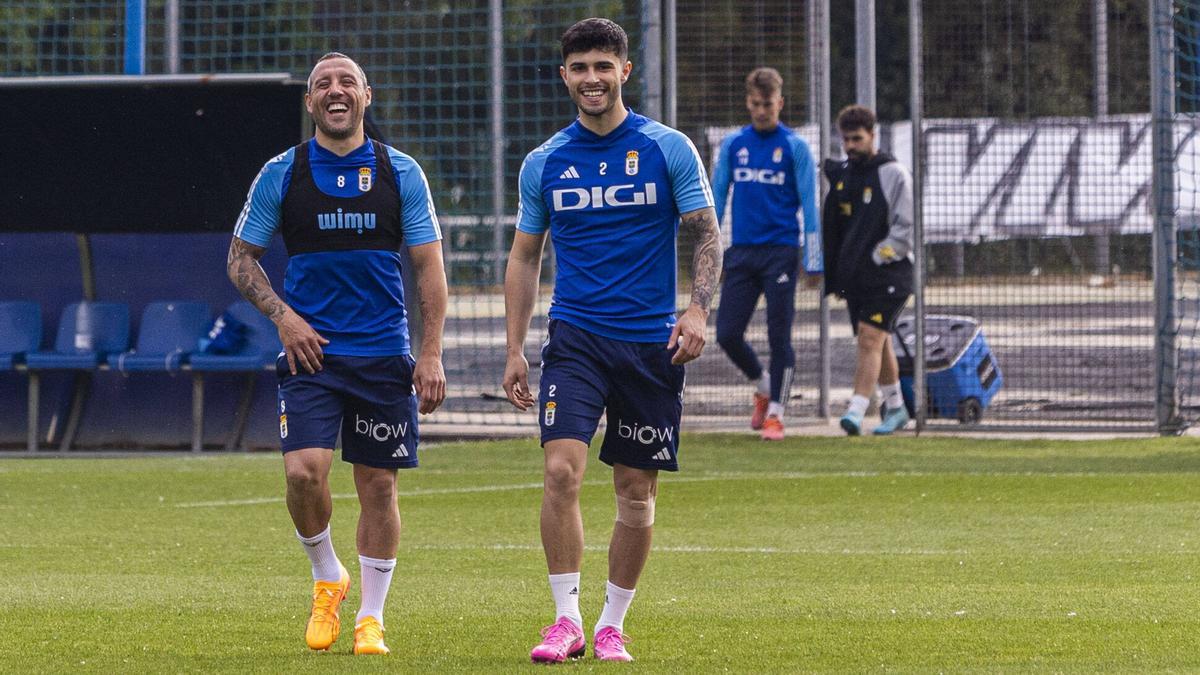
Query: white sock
(320, 554)
(892, 397)
(763, 385)
(616, 604)
(376, 579)
(565, 588)
(775, 409)
(858, 405)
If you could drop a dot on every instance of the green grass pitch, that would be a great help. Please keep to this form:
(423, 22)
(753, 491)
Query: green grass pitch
(815, 554)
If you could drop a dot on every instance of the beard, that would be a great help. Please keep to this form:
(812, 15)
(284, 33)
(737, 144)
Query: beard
(338, 133)
(608, 102)
(858, 157)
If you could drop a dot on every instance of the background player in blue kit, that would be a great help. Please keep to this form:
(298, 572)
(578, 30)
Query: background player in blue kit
(344, 205)
(612, 190)
(773, 177)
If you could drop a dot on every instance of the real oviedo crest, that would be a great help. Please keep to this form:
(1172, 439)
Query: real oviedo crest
(631, 163)
(364, 179)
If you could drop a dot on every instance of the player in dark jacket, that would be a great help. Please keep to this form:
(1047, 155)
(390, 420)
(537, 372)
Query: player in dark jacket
(867, 226)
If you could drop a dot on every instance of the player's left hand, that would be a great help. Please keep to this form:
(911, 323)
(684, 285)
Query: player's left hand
(886, 252)
(429, 381)
(688, 335)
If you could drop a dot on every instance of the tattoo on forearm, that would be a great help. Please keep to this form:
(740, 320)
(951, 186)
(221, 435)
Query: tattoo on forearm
(250, 279)
(706, 261)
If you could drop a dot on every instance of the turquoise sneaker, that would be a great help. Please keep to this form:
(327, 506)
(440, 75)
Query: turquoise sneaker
(852, 423)
(894, 420)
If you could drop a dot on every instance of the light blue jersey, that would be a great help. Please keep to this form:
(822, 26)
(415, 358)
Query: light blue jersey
(774, 182)
(343, 230)
(612, 206)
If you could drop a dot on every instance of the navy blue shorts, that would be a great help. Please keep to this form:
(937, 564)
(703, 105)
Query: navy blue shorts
(585, 375)
(370, 399)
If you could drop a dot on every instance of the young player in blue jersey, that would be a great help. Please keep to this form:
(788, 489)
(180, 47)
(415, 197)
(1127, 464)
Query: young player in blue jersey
(612, 190)
(345, 204)
(774, 181)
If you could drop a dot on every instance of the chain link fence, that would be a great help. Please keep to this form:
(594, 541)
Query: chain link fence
(1037, 170)
(1036, 146)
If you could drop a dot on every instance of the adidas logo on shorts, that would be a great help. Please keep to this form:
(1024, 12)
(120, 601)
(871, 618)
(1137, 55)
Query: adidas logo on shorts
(663, 455)
(400, 452)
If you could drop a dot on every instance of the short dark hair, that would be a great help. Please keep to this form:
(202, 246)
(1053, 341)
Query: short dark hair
(764, 81)
(856, 117)
(595, 33)
(337, 55)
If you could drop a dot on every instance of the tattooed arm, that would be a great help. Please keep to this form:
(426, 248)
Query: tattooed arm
(300, 342)
(701, 226)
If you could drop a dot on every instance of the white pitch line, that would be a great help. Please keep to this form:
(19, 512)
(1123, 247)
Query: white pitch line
(754, 550)
(522, 486)
(405, 494)
(707, 477)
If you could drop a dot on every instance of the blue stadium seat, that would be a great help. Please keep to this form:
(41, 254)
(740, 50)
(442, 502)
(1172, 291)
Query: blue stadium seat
(167, 337)
(257, 354)
(87, 333)
(20, 331)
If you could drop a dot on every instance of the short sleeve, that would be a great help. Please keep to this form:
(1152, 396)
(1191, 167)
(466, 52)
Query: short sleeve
(689, 180)
(532, 215)
(261, 214)
(418, 215)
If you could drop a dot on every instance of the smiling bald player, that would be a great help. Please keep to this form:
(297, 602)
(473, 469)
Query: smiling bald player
(345, 204)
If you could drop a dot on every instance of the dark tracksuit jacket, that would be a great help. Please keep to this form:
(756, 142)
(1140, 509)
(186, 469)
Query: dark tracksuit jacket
(867, 203)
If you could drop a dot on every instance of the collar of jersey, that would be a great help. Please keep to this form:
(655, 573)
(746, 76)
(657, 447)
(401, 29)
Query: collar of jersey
(583, 133)
(354, 157)
(779, 129)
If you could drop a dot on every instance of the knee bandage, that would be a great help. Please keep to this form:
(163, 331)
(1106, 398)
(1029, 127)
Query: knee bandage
(635, 512)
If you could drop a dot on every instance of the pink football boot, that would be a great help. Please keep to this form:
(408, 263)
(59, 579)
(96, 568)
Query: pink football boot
(610, 645)
(561, 641)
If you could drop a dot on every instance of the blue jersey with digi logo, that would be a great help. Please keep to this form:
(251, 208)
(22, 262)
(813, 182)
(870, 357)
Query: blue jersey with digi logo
(774, 182)
(343, 220)
(612, 206)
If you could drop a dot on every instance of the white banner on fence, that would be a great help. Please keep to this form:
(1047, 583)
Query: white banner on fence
(988, 179)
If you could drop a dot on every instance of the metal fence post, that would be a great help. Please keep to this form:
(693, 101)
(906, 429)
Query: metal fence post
(171, 19)
(916, 113)
(135, 37)
(670, 66)
(1101, 244)
(864, 52)
(496, 42)
(1162, 113)
(819, 112)
(652, 55)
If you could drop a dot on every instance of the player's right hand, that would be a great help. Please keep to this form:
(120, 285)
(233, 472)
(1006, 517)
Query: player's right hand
(301, 343)
(516, 382)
